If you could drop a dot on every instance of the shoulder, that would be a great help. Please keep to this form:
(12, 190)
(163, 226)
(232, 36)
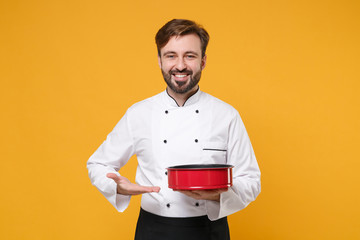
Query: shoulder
(219, 106)
(142, 107)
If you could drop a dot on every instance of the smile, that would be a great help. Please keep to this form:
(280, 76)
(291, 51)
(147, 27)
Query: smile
(180, 76)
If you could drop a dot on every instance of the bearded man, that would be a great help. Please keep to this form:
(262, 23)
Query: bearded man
(182, 125)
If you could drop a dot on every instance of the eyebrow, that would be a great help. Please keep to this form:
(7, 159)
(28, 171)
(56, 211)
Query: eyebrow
(187, 52)
(169, 52)
(192, 52)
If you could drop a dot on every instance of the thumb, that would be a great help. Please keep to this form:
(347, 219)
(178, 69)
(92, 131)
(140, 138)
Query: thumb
(113, 176)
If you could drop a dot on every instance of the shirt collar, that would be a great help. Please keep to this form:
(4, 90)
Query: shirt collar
(191, 100)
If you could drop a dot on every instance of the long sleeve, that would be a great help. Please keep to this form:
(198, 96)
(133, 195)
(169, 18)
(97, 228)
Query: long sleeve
(113, 153)
(246, 174)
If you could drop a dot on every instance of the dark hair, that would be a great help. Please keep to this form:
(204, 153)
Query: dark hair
(181, 27)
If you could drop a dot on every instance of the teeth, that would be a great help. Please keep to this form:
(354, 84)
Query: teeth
(180, 76)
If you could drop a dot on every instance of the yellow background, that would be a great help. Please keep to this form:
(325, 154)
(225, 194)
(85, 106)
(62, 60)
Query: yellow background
(70, 69)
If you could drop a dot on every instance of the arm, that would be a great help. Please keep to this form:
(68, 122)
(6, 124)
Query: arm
(246, 174)
(104, 164)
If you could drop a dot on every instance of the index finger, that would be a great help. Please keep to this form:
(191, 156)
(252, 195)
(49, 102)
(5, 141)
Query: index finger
(218, 190)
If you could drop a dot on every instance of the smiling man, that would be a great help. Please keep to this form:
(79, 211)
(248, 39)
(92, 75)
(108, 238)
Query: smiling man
(181, 62)
(181, 125)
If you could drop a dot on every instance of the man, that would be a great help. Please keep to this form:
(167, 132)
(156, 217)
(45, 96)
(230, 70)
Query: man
(181, 125)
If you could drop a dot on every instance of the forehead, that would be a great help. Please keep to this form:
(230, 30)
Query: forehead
(181, 44)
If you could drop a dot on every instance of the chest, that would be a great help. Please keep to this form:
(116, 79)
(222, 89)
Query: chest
(177, 136)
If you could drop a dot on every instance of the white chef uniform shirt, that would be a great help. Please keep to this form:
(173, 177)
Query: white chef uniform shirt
(161, 134)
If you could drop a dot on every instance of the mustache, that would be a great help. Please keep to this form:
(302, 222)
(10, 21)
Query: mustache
(186, 71)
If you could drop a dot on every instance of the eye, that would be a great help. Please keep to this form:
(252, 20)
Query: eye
(190, 56)
(170, 56)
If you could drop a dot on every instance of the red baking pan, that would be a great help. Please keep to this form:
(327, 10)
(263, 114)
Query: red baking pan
(200, 176)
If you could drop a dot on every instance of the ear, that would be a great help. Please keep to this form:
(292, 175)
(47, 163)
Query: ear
(203, 62)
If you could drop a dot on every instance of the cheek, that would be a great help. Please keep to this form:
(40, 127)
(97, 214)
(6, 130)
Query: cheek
(165, 66)
(197, 67)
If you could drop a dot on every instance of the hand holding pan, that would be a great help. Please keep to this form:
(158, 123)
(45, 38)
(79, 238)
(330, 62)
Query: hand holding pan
(208, 194)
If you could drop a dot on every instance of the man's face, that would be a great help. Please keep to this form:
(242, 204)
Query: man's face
(181, 63)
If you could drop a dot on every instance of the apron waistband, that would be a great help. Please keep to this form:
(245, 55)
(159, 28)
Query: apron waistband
(186, 221)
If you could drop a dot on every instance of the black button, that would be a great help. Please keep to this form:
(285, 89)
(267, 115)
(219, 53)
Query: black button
(196, 140)
(165, 173)
(197, 204)
(166, 111)
(165, 141)
(197, 111)
(168, 205)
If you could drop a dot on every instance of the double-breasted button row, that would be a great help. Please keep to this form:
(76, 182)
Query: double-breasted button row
(196, 111)
(196, 140)
(196, 204)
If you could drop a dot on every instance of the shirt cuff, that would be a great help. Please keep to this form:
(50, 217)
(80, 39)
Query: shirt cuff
(213, 209)
(228, 205)
(119, 201)
(122, 202)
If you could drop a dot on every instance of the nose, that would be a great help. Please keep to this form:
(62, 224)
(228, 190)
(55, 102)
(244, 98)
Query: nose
(180, 64)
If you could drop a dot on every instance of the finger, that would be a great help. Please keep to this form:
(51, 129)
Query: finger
(113, 176)
(223, 190)
(135, 189)
(117, 179)
(210, 191)
(191, 194)
(147, 189)
(156, 189)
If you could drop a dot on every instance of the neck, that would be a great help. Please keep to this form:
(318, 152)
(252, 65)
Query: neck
(181, 98)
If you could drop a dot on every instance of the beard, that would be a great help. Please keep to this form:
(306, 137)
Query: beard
(182, 87)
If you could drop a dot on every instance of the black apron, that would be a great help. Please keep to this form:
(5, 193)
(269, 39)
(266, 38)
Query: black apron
(154, 227)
